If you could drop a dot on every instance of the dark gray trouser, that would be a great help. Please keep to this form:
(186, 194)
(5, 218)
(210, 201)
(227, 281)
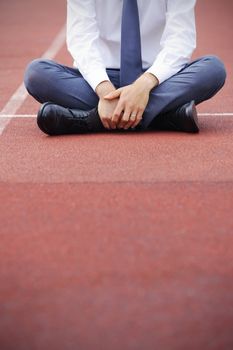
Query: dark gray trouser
(47, 80)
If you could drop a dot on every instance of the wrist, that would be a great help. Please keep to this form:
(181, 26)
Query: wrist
(104, 88)
(148, 80)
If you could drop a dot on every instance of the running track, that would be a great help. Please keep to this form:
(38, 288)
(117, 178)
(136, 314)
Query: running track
(113, 241)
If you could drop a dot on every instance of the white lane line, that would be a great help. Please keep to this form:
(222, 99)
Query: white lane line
(20, 95)
(5, 116)
(215, 114)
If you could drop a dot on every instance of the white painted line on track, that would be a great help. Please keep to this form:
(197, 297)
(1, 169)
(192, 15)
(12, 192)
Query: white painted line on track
(215, 114)
(20, 95)
(3, 116)
(7, 116)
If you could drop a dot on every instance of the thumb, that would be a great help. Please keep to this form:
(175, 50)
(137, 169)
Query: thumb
(113, 94)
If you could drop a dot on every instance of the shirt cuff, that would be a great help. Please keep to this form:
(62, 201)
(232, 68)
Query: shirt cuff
(162, 71)
(95, 76)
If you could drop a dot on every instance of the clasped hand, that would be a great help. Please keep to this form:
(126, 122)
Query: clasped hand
(124, 107)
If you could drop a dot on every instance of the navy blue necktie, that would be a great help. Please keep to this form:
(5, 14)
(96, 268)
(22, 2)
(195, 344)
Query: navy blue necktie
(131, 60)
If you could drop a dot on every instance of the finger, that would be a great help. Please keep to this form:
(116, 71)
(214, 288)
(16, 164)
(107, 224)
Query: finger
(111, 124)
(117, 124)
(113, 94)
(132, 120)
(125, 118)
(117, 114)
(105, 123)
(138, 119)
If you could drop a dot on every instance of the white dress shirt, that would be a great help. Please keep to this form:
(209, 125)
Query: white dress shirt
(168, 36)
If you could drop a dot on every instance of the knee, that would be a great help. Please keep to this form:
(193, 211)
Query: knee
(217, 70)
(34, 72)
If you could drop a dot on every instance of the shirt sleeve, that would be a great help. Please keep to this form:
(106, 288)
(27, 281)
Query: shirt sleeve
(82, 41)
(178, 40)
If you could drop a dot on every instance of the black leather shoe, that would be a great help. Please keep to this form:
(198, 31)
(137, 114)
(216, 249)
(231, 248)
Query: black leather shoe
(53, 119)
(183, 119)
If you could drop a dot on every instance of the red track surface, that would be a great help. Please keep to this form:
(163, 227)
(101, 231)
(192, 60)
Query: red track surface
(116, 241)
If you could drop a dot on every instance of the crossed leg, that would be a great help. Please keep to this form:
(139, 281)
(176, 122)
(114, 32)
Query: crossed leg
(200, 80)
